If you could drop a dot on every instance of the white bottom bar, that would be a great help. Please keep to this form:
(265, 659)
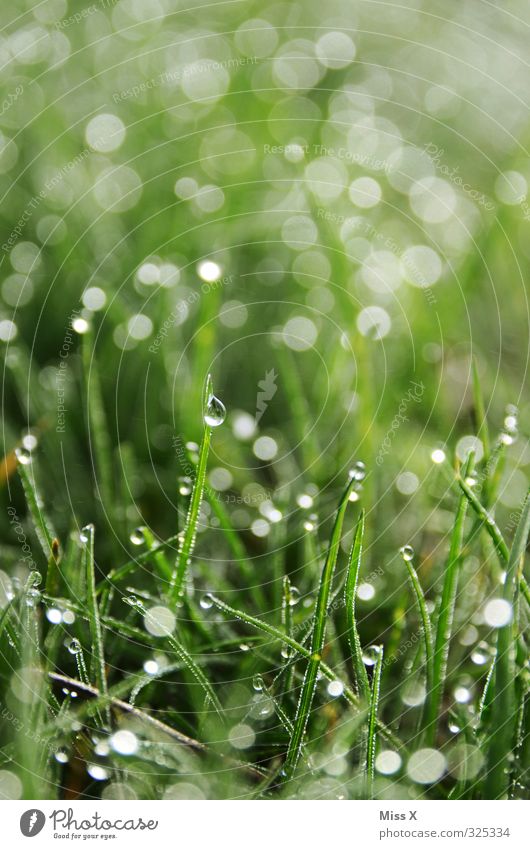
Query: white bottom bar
(266, 824)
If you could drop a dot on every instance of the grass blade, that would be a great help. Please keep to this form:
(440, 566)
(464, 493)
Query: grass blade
(503, 713)
(444, 622)
(424, 616)
(317, 640)
(350, 591)
(481, 422)
(190, 531)
(327, 672)
(96, 633)
(43, 526)
(372, 723)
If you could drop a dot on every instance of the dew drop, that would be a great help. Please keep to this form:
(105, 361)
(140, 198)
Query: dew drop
(287, 652)
(151, 667)
(358, 473)
(35, 578)
(335, 688)
(33, 597)
(311, 522)
(23, 456)
(215, 412)
(86, 533)
(137, 537)
(133, 601)
(294, 596)
(97, 772)
(304, 501)
(407, 552)
(462, 695)
(184, 485)
(206, 602)
(61, 756)
(258, 683)
(370, 655)
(124, 742)
(74, 646)
(481, 653)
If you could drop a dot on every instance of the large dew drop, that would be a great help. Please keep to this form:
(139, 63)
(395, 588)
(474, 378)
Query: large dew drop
(407, 552)
(215, 412)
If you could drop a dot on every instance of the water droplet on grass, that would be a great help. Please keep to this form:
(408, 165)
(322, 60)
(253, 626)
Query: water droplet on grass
(184, 485)
(137, 537)
(86, 532)
(358, 473)
(206, 602)
(23, 456)
(481, 654)
(258, 683)
(215, 412)
(335, 688)
(124, 742)
(407, 552)
(370, 655)
(294, 596)
(74, 646)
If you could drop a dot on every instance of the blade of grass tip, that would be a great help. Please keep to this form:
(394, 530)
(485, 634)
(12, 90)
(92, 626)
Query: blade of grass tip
(182, 654)
(213, 415)
(503, 714)
(94, 621)
(317, 640)
(372, 723)
(444, 624)
(43, 526)
(407, 554)
(326, 670)
(350, 591)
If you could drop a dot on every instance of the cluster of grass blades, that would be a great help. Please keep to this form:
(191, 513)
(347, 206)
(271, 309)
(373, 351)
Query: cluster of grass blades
(127, 683)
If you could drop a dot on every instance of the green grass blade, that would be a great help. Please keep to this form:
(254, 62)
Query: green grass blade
(43, 526)
(488, 520)
(480, 413)
(503, 711)
(190, 530)
(444, 622)
(96, 632)
(317, 640)
(372, 723)
(98, 434)
(350, 591)
(426, 626)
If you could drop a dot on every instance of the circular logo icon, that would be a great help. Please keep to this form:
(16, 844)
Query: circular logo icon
(32, 822)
